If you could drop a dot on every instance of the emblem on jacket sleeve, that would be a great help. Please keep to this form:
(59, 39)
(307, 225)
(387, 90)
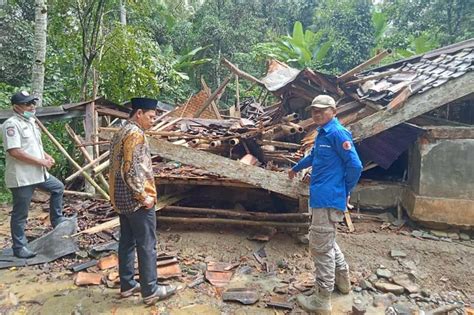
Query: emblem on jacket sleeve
(346, 145)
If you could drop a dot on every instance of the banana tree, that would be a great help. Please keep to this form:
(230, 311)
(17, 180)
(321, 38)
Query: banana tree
(303, 48)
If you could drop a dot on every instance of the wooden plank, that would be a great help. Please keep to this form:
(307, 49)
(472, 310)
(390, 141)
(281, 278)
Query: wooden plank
(162, 202)
(112, 112)
(375, 59)
(415, 106)
(256, 176)
(347, 217)
(443, 132)
(249, 215)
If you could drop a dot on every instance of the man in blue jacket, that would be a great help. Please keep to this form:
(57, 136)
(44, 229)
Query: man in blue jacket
(336, 168)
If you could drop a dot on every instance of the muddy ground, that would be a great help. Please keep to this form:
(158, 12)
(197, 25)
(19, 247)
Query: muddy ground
(443, 270)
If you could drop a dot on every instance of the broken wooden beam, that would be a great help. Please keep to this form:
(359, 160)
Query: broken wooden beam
(241, 73)
(78, 142)
(280, 144)
(212, 97)
(415, 106)
(375, 59)
(256, 176)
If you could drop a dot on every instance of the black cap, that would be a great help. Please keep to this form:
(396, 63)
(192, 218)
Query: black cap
(23, 97)
(143, 103)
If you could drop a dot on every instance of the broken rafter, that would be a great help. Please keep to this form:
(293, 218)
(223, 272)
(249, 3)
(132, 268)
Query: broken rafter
(375, 59)
(212, 97)
(73, 162)
(241, 73)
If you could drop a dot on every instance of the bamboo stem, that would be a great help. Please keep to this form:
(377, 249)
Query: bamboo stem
(258, 216)
(101, 167)
(88, 166)
(78, 141)
(181, 220)
(74, 163)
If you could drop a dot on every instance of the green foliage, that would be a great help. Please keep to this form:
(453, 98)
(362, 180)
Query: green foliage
(444, 22)
(302, 49)
(15, 41)
(348, 26)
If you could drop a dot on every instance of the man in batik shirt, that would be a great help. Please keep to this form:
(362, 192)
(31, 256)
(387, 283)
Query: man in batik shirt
(133, 196)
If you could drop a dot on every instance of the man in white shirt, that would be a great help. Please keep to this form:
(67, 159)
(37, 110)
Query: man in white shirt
(27, 168)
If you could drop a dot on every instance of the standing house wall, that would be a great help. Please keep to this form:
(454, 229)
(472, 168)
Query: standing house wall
(441, 181)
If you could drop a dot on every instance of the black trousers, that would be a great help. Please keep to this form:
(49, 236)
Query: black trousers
(21, 204)
(138, 231)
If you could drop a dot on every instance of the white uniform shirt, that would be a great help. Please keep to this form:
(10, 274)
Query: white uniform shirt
(19, 132)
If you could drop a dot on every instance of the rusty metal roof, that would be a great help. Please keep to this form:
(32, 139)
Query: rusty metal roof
(434, 69)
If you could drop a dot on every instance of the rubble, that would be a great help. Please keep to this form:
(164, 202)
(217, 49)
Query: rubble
(397, 254)
(389, 287)
(242, 295)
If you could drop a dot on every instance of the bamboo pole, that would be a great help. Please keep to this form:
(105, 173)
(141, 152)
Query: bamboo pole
(80, 194)
(100, 168)
(182, 220)
(162, 202)
(298, 128)
(88, 166)
(74, 163)
(78, 141)
(291, 117)
(258, 216)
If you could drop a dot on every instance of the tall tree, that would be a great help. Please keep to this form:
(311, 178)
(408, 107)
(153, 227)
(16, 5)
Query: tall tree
(123, 13)
(348, 26)
(41, 22)
(90, 14)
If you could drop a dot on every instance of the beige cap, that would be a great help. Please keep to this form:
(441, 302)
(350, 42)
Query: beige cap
(323, 101)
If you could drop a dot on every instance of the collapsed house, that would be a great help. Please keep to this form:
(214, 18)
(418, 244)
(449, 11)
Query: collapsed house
(411, 121)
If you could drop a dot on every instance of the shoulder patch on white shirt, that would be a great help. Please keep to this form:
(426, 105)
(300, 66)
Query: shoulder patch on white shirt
(10, 131)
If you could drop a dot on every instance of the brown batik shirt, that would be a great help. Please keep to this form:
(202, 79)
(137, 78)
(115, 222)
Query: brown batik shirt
(131, 177)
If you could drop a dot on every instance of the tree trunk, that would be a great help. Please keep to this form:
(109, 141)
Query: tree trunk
(123, 13)
(41, 22)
